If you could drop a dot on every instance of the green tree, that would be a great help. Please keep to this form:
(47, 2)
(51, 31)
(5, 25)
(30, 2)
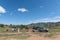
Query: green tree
(1, 25)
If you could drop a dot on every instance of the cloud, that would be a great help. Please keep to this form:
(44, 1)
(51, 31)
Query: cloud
(53, 19)
(22, 10)
(2, 10)
(58, 17)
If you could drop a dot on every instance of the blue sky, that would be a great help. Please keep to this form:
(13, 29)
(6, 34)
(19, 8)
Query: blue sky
(29, 11)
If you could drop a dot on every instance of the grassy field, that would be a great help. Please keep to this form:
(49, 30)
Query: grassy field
(12, 35)
(53, 32)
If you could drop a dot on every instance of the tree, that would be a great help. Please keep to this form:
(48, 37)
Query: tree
(22, 26)
(1, 25)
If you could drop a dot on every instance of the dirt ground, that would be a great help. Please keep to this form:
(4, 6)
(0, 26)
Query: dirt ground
(33, 37)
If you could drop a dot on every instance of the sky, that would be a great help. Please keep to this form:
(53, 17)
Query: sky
(29, 11)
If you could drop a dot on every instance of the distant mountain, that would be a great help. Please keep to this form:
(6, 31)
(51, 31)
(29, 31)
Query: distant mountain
(45, 24)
